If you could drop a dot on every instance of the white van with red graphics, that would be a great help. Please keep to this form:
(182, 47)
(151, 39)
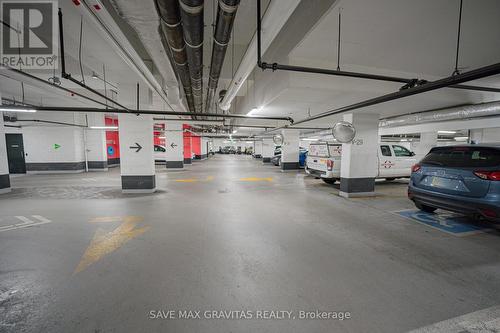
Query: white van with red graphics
(323, 161)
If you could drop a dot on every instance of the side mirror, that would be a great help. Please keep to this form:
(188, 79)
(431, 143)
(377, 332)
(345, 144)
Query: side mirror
(412, 154)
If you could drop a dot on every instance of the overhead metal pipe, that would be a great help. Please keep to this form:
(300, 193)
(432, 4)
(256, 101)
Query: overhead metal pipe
(224, 25)
(171, 36)
(447, 114)
(151, 112)
(192, 26)
(17, 72)
(275, 66)
(475, 74)
(68, 76)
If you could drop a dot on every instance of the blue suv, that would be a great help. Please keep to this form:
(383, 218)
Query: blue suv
(463, 179)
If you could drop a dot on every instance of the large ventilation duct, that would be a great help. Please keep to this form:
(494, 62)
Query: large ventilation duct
(192, 25)
(225, 19)
(455, 113)
(173, 41)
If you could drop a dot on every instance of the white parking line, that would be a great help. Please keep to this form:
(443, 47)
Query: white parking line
(26, 222)
(487, 320)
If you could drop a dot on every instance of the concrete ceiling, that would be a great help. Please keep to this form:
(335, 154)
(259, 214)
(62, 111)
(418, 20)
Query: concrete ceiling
(393, 37)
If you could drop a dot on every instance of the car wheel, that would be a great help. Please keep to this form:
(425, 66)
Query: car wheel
(330, 181)
(425, 208)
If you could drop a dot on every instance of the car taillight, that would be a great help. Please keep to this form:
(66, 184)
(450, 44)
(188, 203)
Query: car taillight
(416, 167)
(488, 175)
(329, 165)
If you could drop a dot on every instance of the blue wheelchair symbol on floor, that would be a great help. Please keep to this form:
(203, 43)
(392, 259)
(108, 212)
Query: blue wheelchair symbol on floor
(448, 222)
(111, 151)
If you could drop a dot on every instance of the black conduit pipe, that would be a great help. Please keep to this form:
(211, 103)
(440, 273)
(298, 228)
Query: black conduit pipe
(225, 19)
(68, 76)
(192, 25)
(149, 112)
(475, 74)
(314, 70)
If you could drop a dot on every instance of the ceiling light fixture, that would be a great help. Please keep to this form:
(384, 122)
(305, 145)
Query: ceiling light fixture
(235, 131)
(447, 132)
(310, 139)
(461, 138)
(16, 110)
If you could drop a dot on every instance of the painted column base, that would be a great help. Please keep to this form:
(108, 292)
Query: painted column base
(175, 164)
(4, 184)
(357, 187)
(55, 167)
(187, 161)
(266, 160)
(290, 165)
(200, 157)
(138, 184)
(98, 165)
(113, 162)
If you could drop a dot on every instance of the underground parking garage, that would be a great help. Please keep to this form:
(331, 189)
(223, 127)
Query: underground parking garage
(250, 166)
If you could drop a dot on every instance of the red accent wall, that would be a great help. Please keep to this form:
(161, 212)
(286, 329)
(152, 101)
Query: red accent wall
(157, 133)
(196, 144)
(187, 142)
(112, 139)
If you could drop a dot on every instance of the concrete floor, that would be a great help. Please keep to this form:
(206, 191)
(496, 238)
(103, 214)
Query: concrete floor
(230, 234)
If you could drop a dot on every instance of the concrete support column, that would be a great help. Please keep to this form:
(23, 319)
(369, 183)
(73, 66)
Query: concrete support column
(476, 136)
(257, 149)
(267, 150)
(359, 165)
(188, 154)
(290, 150)
(428, 140)
(196, 147)
(136, 149)
(97, 157)
(4, 163)
(174, 144)
(204, 148)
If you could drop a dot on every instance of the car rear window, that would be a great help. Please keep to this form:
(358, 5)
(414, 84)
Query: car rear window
(319, 150)
(463, 157)
(335, 150)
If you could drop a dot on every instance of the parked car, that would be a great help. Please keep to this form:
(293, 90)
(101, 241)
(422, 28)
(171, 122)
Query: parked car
(323, 161)
(159, 153)
(232, 150)
(226, 150)
(302, 157)
(464, 179)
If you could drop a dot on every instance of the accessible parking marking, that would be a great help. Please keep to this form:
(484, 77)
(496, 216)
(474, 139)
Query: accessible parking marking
(451, 223)
(26, 222)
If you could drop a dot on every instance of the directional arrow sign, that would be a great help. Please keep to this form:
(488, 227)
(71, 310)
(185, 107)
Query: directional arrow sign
(56, 146)
(137, 146)
(173, 145)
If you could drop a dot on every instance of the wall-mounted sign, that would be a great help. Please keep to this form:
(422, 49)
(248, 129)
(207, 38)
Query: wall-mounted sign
(56, 146)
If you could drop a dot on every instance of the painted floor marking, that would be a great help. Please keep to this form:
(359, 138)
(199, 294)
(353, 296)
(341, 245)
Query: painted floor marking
(482, 321)
(26, 222)
(256, 179)
(451, 223)
(194, 180)
(103, 242)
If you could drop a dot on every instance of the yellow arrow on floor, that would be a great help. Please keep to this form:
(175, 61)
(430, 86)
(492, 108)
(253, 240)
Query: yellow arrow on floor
(255, 179)
(104, 242)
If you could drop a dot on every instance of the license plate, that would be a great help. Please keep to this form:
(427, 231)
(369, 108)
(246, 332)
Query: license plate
(451, 184)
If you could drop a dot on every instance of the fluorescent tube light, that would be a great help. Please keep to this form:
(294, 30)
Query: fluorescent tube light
(16, 110)
(461, 138)
(447, 132)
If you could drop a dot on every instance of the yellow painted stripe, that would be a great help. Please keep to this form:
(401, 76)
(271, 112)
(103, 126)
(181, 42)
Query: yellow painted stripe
(191, 180)
(255, 179)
